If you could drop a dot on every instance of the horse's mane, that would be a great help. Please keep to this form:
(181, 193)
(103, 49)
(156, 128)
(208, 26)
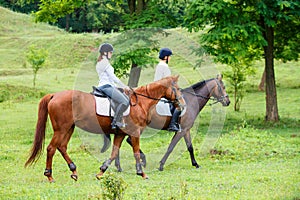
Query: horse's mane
(198, 85)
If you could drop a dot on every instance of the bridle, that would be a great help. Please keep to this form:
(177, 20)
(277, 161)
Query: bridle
(176, 101)
(215, 100)
(222, 97)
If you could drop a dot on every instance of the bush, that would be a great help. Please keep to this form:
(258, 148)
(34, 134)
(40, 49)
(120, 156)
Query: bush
(113, 187)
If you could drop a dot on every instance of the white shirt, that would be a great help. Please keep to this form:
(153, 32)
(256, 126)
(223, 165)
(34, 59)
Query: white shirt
(106, 73)
(162, 71)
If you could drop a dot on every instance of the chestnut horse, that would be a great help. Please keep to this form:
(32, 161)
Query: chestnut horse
(72, 108)
(196, 97)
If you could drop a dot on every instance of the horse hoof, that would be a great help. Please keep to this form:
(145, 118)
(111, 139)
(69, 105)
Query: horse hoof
(74, 177)
(144, 176)
(98, 176)
(161, 168)
(120, 169)
(51, 180)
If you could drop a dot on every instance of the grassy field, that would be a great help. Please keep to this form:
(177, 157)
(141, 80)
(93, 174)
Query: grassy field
(250, 159)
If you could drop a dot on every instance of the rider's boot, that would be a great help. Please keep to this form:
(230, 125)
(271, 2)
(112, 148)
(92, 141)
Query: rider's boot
(118, 118)
(174, 124)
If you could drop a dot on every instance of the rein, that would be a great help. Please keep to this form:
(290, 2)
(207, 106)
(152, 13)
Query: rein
(149, 97)
(203, 97)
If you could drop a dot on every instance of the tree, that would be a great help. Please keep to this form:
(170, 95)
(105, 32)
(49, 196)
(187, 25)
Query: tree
(36, 57)
(135, 50)
(51, 11)
(75, 16)
(154, 15)
(262, 29)
(237, 75)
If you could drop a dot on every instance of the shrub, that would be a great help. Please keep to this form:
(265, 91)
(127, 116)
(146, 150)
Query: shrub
(113, 187)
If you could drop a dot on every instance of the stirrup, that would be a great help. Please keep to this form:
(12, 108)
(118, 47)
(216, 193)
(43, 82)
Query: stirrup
(174, 128)
(118, 125)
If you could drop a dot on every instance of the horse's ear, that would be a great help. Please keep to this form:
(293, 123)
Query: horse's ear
(219, 76)
(176, 77)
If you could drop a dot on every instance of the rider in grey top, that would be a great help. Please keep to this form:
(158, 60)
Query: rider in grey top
(162, 70)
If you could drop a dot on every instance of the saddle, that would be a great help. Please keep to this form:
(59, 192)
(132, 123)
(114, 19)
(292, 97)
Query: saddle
(98, 93)
(105, 106)
(164, 108)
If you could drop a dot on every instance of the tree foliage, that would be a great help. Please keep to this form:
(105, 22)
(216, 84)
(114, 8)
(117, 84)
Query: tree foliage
(134, 50)
(36, 57)
(157, 14)
(253, 29)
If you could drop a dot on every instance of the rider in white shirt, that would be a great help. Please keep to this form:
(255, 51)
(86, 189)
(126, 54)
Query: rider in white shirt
(108, 83)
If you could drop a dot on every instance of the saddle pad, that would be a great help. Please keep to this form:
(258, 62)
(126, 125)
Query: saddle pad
(103, 107)
(163, 108)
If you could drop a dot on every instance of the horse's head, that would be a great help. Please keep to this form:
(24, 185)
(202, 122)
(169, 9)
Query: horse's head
(173, 92)
(219, 92)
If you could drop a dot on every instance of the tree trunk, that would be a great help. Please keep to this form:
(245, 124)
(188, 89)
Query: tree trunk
(141, 5)
(134, 76)
(131, 5)
(67, 22)
(271, 97)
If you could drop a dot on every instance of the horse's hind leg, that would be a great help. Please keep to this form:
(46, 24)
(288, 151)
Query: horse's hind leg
(189, 145)
(175, 139)
(50, 153)
(59, 141)
(115, 151)
(63, 150)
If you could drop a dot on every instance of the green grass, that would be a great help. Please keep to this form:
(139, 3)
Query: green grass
(249, 159)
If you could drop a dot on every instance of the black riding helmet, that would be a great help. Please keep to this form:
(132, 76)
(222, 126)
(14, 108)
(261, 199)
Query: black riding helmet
(164, 52)
(106, 47)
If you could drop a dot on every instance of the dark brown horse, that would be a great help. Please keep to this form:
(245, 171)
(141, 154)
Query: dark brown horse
(196, 97)
(72, 108)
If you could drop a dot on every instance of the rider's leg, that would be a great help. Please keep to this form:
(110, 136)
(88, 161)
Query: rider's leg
(122, 104)
(174, 124)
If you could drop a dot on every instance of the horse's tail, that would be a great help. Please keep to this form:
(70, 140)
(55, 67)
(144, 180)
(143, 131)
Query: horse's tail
(107, 141)
(39, 137)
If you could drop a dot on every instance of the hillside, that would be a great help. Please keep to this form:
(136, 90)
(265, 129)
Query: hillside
(67, 53)
(18, 31)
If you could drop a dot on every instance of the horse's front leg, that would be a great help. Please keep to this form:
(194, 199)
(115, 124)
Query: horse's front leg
(136, 151)
(189, 145)
(115, 151)
(143, 156)
(117, 163)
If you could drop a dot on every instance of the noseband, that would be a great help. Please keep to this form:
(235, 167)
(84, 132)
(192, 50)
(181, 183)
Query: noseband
(222, 97)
